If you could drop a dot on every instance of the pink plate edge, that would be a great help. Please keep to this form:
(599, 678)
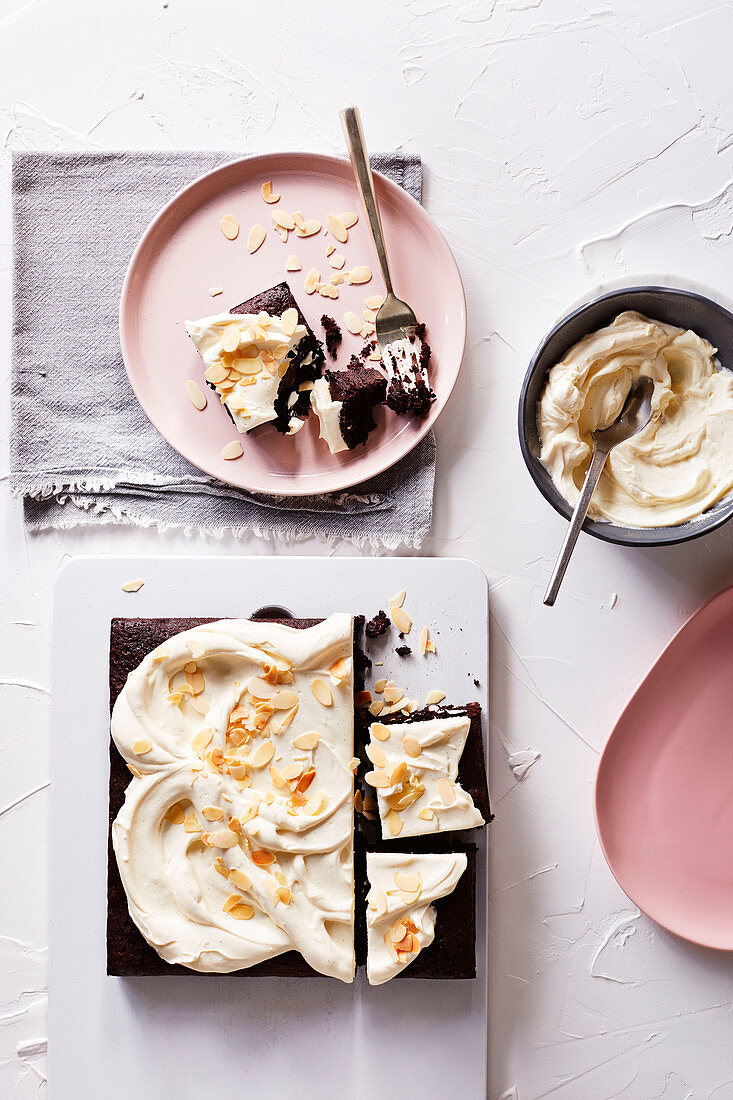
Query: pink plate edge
(349, 480)
(648, 910)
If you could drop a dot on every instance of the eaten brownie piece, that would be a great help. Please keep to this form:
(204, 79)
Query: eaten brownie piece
(344, 403)
(406, 362)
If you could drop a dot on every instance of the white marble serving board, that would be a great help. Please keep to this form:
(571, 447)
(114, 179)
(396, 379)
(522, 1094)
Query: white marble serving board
(190, 1036)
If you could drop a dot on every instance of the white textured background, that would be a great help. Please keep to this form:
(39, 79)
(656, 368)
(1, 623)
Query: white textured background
(566, 142)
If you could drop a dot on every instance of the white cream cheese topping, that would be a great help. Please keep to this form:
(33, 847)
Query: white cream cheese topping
(401, 359)
(235, 840)
(400, 918)
(415, 777)
(681, 463)
(328, 412)
(246, 379)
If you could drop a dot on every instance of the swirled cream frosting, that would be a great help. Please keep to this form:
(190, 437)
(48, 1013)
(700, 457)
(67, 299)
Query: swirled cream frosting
(681, 463)
(400, 917)
(234, 843)
(415, 776)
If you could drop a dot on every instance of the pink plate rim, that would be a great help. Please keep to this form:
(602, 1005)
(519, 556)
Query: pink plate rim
(397, 452)
(649, 909)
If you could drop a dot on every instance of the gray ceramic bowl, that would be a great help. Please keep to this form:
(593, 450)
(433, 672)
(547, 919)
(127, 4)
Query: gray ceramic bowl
(676, 307)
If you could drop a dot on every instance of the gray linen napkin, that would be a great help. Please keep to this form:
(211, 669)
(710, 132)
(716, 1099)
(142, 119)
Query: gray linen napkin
(82, 449)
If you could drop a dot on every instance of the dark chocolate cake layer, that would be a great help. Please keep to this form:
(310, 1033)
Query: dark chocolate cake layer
(359, 389)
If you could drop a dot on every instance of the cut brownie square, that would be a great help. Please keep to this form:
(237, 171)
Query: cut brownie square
(344, 402)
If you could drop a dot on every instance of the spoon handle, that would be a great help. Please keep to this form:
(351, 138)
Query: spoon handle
(356, 145)
(581, 509)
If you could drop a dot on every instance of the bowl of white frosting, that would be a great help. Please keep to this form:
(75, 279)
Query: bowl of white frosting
(674, 480)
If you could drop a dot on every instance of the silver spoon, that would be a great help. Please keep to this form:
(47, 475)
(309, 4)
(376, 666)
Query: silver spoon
(395, 320)
(634, 416)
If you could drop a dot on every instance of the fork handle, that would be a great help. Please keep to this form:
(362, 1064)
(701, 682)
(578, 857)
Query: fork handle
(356, 145)
(581, 510)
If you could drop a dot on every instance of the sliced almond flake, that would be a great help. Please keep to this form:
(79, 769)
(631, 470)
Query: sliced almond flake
(360, 274)
(190, 666)
(408, 882)
(340, 670)
(374, 302)
(309, 228)
(354, 763)
(358, 802)
(378, 900)
(330, 249)
(338, 228)
(426, 815)
(401, 619)
(232, 450)
(267, 192)
(133, 586)
(160, 654)
(362, 698)
(393, 822)
(312, 281)
(447, 791)
(283, 219)
(424, 635)
(377, 779)
(377, 756)
(398, 774)
(262, 858)
(293, 264)
(198, 684)
(328, 291)
(376, 707)
(322, 692)
(220, 867)
(223, 838)
(244, 882)
(289, 322)
(430, 647)
(191, 823)
(411, 746)
(229, 227)
(369, 315)
(285, 700)
(195, 396)
(352, 322)
(230, 337)
(380, 685)
(277, 778)
(212, 813)
(347, 220)
(256, 237)
(214, 291)
(434, 696)
(291, 771)
(314, 805)
(202, 740)
(242, 912)
(398, 600)
(307, 741)
(232, 900)
(261, 688)
(262, 755)
(337, 261)
(280, 724)
(176, 814)
(282, 233)
(283, 894)
(142, 746)
(380, 731)
(393, 695)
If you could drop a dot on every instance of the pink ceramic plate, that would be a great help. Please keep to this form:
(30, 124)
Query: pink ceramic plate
(664, 790)
(183, 253)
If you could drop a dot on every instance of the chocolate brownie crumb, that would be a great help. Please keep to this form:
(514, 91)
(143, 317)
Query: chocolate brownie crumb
(403, 651)
(477, 683)
(377, 626)
(333, 335)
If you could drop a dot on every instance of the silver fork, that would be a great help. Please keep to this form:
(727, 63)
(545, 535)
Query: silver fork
(395, 320)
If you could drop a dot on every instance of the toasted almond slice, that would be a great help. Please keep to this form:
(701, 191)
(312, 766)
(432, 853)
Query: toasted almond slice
(377, 779)
(229, 227)
(347, 220)
(426, 815)
(244, 882)
(380, 685)
(202, 740)
(424, 635)
(362, 698)
(283, 894)
(312, 281)
(277, 778)
(354, 764)
(220, 867)
(262, 755)
(195, 396)
(298, 219)
(291, 771)
(191, 823)
(369, 315)
(401, 619)
(216, 373)
(337, 261)
(430, 646)
(375, 355)
(267, 192)
(393, 695)
(292, 264)
(447, 791)
(374, 302)
(232, 900)
(289, 321)
(376, 707)
(434, 696)
(212, 813)
(256, 237)
(133, 586)
(142, 746)
(215, 291)
(380, 731)
(411, 746)
(377, 756)
(223, 838)
(398, 774)
(322, 692)
(340, 669)
(283, 219)
(314, 805)
(378, 900)
(328, 291)
(358, 802)
(232, 450)
(338, 228)
(308, 740)
(230, 338)
(285, 700)
(242, 912)
(398, 600)
(352, 322)
(281, 724)
(393, 822)
(262, 858)
(308, 229)
(175, 814)
(360, 274)
(407, 881)
(261, 688)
